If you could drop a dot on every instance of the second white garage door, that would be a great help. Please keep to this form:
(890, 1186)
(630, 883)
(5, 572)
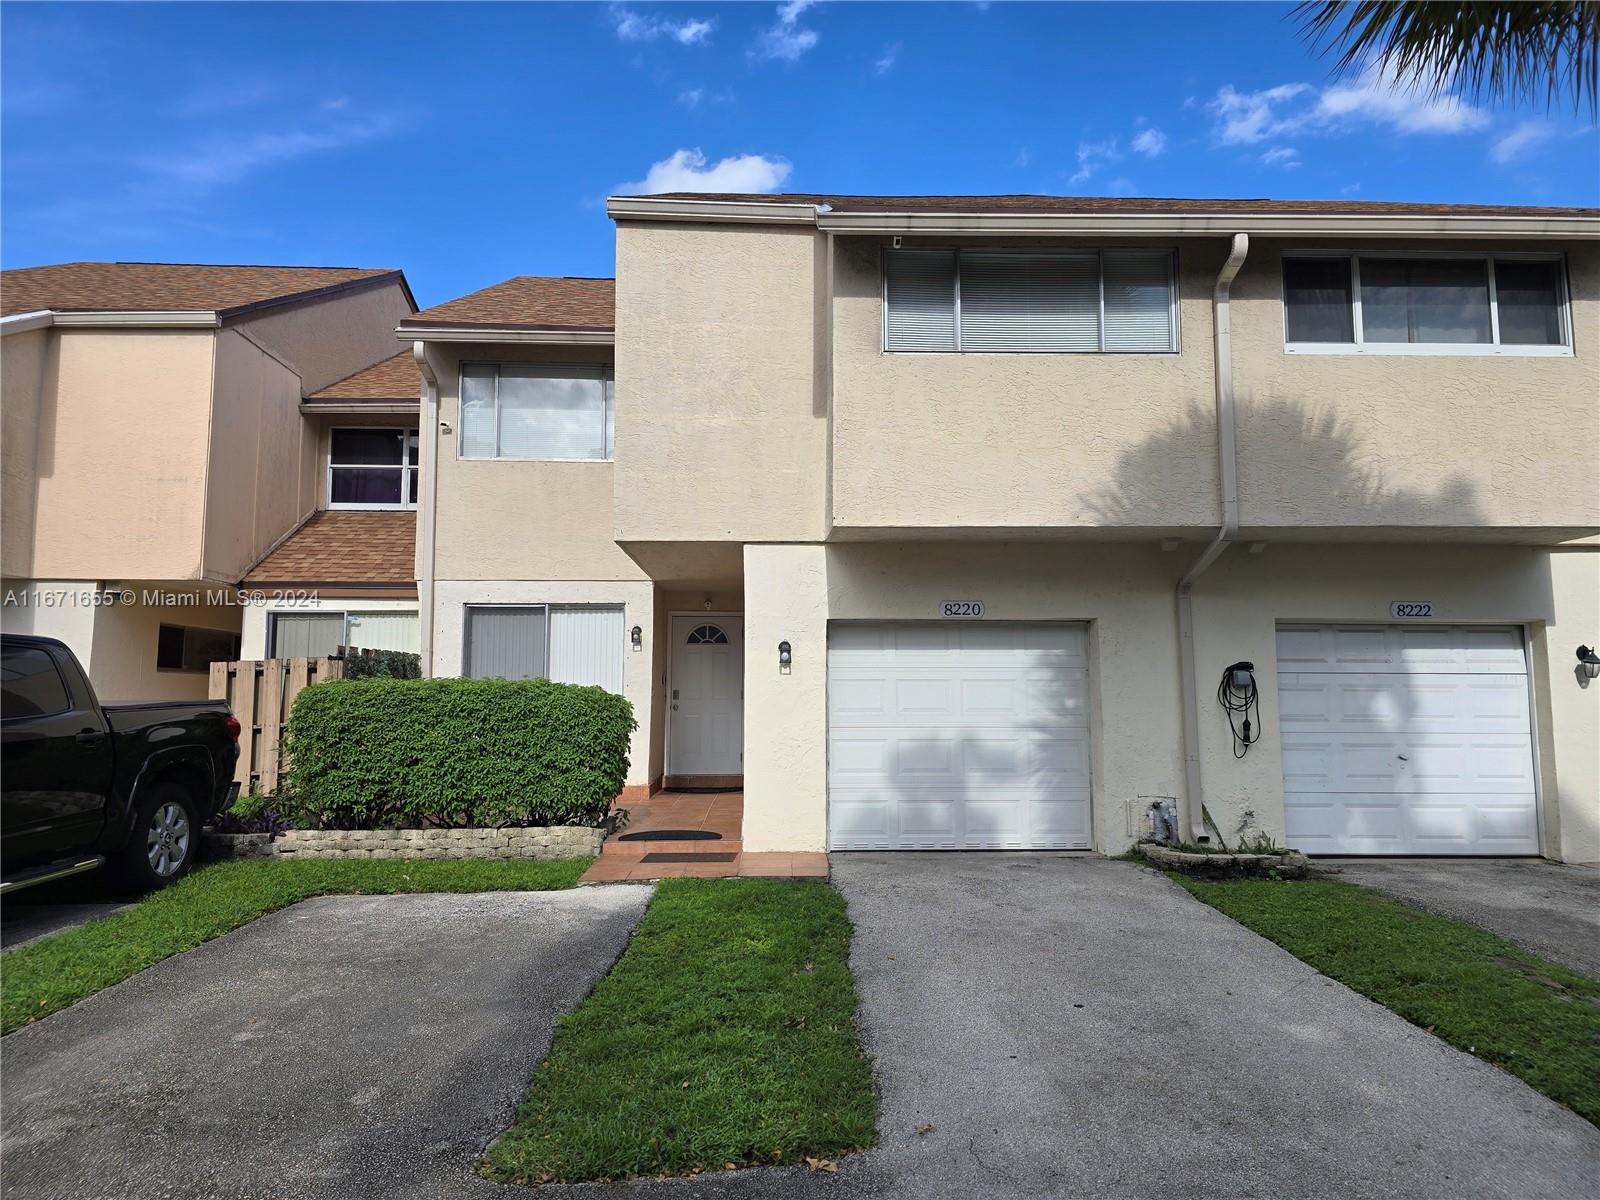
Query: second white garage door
(1406, 739)
(958, 736)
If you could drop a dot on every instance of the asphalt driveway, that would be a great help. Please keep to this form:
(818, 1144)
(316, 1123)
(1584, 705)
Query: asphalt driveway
(1549, 909)
(348, 1046)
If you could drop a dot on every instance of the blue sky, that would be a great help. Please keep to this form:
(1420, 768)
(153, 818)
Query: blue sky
(466, 143)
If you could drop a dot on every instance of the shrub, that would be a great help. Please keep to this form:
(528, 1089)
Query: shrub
(412, 753)
(251, 813)
(383, 664)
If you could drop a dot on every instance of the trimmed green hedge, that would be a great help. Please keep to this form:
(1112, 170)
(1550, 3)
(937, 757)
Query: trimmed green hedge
(411, 753)
(383, 664)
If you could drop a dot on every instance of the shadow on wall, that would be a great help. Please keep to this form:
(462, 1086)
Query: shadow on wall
(1298, 465)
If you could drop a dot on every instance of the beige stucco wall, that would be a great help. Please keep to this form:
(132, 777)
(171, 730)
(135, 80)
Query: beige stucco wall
(721, 432)
(1466, 441)
(637, 598)
(124, 427)
(521, 519)
(22, 367)
(329, 339)
(262, 476)
(1016, 441)
(1125, 594)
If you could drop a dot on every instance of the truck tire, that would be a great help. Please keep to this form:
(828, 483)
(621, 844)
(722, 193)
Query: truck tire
(164, 842)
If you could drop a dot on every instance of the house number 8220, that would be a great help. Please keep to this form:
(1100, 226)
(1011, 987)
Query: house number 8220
(961, 608)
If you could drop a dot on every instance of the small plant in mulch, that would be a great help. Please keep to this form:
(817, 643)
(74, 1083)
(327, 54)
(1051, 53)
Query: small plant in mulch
(251, 813)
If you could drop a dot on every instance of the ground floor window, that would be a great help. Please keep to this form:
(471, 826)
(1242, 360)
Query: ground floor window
(179, 648)
(309, 635)
(580, 644)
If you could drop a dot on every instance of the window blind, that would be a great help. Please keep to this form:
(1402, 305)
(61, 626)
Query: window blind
(505, 643)
(1138, 290)
(586, 647)
(1036, 303)
(477, 412)
(921, 288)
(315, 635)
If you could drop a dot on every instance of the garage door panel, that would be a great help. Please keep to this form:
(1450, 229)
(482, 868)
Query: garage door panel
(966, 735)
(1428, 752)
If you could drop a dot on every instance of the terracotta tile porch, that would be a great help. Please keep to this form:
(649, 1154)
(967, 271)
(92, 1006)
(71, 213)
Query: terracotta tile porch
(622, 858)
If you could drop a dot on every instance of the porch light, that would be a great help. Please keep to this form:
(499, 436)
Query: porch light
(1589, 661)
(638, 638)
(785, 657)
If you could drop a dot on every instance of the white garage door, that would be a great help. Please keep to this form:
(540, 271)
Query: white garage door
(1406, 739)
(958, 736)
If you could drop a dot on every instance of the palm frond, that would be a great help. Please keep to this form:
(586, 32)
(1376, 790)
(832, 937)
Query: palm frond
(1523, 51)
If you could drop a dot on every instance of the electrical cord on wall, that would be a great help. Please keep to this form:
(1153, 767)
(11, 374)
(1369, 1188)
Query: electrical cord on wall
(1239, 697)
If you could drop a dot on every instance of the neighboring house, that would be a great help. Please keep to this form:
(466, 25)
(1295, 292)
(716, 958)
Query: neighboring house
(155, 447)
(347, 575)
(934, 522)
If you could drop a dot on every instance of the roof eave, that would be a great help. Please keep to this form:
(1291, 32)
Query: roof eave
(351, 405)
(1388, 225)
(108, 319)
(530, 334)
(649, 208)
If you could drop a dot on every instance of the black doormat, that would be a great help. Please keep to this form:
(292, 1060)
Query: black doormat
(671, 835)
(662, 857)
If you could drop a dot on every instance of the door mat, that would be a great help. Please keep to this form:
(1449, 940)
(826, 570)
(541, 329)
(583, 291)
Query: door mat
(663, 857)
(671, 835)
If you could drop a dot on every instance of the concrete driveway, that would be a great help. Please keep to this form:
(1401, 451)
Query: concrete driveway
(1020, 1006)
(1549, 909)
(349, 1046)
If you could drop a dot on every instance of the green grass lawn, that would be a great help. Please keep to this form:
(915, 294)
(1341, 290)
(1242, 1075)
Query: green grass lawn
(725, 1034)
(63, 968)
(1477, 991)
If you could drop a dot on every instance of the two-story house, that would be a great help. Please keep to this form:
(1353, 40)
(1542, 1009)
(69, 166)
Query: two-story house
(989, 522)
(160, 437)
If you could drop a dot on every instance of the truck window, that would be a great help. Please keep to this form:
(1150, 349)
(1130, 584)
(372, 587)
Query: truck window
(30, 685)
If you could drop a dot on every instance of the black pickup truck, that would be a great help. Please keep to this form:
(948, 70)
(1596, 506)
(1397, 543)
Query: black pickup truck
(82, 784)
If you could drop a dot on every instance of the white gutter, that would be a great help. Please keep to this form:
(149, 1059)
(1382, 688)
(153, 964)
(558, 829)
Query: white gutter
(1330, 225)
(23, 322)
(44, 318)
(1228, 484)
(427, 506)
(649, 208)
(538, 337)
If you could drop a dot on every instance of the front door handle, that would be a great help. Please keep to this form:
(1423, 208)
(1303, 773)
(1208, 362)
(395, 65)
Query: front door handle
(89, 737)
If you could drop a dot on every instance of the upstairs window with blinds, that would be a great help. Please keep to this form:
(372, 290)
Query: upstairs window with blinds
(531, 411)
(1030, 302)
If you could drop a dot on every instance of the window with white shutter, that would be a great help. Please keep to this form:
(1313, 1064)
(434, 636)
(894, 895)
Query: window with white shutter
(982, 301)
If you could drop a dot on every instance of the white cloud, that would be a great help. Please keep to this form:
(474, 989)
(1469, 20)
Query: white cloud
(885, 64)
(1092, 156)
(786, 39)
(1150, 142)
(224, 160)
(647, 27)
(1286, 157)
(1519, 141)
(1376, 98)
(691, 97)
(686, 171)
(1350, 189)
(1122, 187)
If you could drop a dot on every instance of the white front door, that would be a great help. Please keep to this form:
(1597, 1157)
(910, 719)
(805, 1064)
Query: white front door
(707, 696)
(1406, 739)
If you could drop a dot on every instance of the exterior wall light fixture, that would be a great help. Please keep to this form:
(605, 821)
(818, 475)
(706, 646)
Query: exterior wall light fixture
(785, 657)
(1589, 662)
(638, 638)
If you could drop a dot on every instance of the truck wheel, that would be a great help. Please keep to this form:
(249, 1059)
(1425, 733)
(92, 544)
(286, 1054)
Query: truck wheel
(164, 842)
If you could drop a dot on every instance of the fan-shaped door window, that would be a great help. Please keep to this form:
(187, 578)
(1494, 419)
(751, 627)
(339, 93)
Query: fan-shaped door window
(706, 635)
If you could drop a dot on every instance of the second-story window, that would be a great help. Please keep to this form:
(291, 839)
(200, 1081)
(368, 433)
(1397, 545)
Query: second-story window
(1030, 302)
(528, 411)
(1424, 304)
(372, 468)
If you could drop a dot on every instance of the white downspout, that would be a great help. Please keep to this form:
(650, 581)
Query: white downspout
(426, 505)
(1228, 481)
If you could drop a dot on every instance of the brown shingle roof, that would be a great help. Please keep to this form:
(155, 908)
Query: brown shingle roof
(173, 287)
(1120, 204)
(344, 548)
(528, 302)
(394, 380)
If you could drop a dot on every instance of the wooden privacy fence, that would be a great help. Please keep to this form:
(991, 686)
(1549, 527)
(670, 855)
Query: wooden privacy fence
(261, 693)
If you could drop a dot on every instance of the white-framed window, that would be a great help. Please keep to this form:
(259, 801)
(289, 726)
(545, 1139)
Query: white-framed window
(569, 643)
(1387, 302)
(307, 634)
(372, 467)
(524, 411)
(999, 301)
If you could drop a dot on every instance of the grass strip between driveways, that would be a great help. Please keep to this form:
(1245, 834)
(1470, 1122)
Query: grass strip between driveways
(38, 978)
(725, 1035)
(1477, 991)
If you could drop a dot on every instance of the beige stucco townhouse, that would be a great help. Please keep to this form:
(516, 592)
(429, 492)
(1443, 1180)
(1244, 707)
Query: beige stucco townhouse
(163, 432)
(939, 522)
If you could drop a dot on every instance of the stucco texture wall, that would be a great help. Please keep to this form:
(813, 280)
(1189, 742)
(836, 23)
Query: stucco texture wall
(1019, 441)
(1469, 444)
(329, 339)
(522, 519)
(124, 429)
(22, 366)
(721, 433)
